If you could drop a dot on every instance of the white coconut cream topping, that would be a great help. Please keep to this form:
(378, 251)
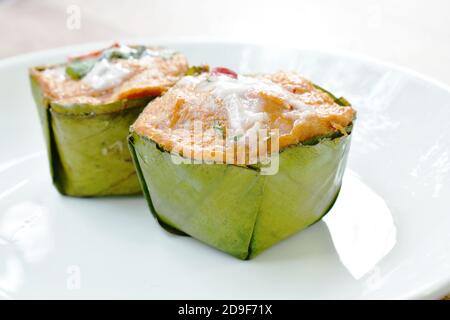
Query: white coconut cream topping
(125, 49)
(57, 73)
(105, 75)
(162, 53)
(242, 99)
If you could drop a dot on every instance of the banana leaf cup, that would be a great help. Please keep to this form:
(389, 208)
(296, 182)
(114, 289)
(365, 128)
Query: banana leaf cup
(85, 124)
(241, 209)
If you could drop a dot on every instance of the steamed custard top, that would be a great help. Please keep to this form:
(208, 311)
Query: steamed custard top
(114, 79)
(204, 113)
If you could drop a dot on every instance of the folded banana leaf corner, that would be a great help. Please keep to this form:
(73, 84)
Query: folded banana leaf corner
(237, 209)
(87, 147)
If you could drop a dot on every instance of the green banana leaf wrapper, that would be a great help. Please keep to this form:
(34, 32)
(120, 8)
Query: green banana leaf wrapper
(235, 208)
(87, 145)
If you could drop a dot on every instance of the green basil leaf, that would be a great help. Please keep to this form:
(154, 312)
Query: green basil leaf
(77, 69)
(196, 70)
(139, 51)
(117, 53)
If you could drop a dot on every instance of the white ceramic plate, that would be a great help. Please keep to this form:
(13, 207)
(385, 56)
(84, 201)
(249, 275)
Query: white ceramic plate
(388, 235)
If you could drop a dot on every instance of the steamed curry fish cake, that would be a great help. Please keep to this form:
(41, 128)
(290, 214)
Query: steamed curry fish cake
(86, 106)
(234, 204)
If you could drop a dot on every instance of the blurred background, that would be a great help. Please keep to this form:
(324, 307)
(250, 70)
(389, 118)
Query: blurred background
(414, 34)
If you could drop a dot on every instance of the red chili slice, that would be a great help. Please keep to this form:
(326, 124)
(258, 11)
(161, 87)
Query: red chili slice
(93, 54)
(225, 71)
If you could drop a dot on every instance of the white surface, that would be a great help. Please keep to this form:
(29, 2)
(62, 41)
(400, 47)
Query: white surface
(105, 75)
(387, 236)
